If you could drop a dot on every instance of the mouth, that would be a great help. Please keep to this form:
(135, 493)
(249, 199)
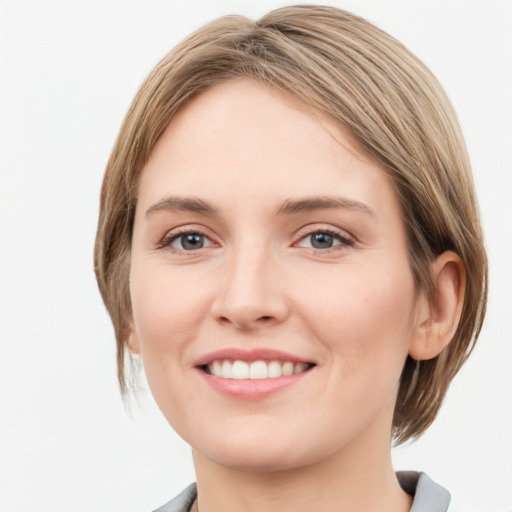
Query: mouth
(240, 369)
(252, 374)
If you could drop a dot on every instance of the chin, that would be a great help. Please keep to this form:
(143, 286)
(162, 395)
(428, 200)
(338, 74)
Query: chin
(257, 460)
(260, 453)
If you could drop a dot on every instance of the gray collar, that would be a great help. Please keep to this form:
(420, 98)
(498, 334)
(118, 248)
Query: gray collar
(182, 502)
(428, 496)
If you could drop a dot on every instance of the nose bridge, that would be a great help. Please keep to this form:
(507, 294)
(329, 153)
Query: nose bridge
(250, 294)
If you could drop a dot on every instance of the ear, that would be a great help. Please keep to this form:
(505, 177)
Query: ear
(133, 338)
(437, 320)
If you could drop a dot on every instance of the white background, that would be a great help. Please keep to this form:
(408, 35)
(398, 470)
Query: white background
(68, 73)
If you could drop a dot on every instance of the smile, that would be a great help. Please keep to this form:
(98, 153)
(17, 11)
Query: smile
(252, 374)
(243, 370)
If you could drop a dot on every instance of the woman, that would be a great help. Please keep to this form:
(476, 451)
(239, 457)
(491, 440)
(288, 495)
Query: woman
(289, 238)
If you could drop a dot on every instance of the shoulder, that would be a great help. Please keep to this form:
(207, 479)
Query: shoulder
(182, 502)
(428, 495)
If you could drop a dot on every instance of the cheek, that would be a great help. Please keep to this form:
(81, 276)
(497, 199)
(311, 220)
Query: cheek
(364, 318)
(166, 310)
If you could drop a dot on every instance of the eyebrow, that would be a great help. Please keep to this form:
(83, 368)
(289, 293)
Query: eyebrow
(289, 207)
(188, 204)
(306, 204)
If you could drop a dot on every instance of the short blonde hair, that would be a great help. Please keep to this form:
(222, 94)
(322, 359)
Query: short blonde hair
(340, 66)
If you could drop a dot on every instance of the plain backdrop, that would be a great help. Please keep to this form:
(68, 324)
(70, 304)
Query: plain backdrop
(68, 73)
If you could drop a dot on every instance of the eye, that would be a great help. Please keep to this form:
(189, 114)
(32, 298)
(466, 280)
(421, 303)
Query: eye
(325, 239)
(188, 241)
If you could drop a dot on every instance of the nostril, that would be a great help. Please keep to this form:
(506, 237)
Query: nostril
(244, 323)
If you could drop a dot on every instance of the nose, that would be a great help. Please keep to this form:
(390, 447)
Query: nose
(252, 294)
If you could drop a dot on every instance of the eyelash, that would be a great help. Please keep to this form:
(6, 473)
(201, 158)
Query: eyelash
(171, 237)
(167, 241)
(343, 239)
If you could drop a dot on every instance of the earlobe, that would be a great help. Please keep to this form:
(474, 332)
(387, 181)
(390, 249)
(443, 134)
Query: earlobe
(438, 319)
(133, 339)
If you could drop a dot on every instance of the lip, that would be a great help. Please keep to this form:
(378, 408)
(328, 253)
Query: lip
(250, 389)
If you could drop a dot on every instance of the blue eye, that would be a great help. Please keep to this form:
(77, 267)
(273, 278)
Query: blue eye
(325, 240)
(322, 241)
(189, 241)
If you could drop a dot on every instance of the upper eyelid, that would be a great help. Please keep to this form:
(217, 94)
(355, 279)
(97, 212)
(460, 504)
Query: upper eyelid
(344, 240)
(310, 229)
(301, 233)
(176, 232)
(188, 228)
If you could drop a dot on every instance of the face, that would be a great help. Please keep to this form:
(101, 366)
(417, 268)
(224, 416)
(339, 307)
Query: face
(273, 302)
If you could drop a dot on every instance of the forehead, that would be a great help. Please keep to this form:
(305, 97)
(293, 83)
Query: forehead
(241, 137)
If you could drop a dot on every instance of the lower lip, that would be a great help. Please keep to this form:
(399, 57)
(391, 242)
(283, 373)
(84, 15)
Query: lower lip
(251, 389)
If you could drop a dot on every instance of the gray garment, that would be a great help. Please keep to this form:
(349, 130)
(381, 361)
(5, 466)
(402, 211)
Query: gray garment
(428, 496)
(182, 502)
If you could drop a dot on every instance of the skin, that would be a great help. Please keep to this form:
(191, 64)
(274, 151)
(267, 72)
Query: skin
(322, 443)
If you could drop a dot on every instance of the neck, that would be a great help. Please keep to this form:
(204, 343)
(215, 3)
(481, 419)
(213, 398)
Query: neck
(358, 479)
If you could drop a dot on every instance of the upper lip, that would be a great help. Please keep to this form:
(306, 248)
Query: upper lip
(257, 354)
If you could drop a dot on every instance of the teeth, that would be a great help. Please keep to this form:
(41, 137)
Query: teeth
(256, 370)
(240, 370)
(288, 368)
(217, 368)
(274, 369)
(226, 370)
(300, 367)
